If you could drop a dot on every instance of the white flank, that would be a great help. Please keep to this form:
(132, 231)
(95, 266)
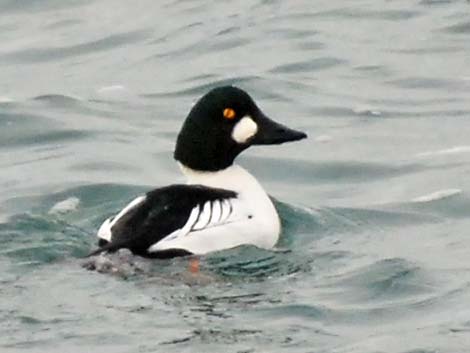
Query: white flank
(244, 129)
(105, 230)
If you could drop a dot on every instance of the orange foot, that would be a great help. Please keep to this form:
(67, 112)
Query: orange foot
(194, 265)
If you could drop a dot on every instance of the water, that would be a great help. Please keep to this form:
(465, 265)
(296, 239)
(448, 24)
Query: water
(375, 204)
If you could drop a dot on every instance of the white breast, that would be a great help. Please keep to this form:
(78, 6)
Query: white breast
(248, 219)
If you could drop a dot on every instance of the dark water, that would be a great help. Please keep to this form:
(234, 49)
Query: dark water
(375, 205)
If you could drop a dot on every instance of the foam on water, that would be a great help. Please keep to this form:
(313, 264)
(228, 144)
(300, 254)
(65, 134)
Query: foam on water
(4, 100)
(64, 206)
(446, 151)
(437, 195)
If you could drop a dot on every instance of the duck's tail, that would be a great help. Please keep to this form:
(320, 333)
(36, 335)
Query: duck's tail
(108, 247)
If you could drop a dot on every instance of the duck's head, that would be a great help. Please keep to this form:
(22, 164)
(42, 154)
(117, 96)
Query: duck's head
(223, 123)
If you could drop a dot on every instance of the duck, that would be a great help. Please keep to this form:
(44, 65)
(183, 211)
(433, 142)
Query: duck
(222, 205)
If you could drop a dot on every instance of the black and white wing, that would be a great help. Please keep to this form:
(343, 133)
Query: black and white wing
(160, 223)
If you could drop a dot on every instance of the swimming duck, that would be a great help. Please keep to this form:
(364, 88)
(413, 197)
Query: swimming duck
(222, 205)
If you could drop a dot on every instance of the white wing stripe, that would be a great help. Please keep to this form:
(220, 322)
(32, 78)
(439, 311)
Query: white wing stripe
(185, 229)
(226, 210)
(216, 212)
(211, 214)
(105, 231)
(221, 206)
(204, 217)
(191, 220)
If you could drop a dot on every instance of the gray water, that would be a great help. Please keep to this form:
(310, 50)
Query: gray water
(375, 204)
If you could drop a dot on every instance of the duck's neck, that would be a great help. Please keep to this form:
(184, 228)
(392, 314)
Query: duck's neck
(231, 178)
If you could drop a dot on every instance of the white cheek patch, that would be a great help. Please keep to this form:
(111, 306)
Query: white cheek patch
(244, 129)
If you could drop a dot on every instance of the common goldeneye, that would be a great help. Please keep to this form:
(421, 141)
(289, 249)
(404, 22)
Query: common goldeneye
(222, 205)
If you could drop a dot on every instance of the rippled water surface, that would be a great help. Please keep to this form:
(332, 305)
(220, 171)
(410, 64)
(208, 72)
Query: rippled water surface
(374, 255)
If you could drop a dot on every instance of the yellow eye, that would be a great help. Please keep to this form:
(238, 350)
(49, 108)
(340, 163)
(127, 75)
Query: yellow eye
(229, 113)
